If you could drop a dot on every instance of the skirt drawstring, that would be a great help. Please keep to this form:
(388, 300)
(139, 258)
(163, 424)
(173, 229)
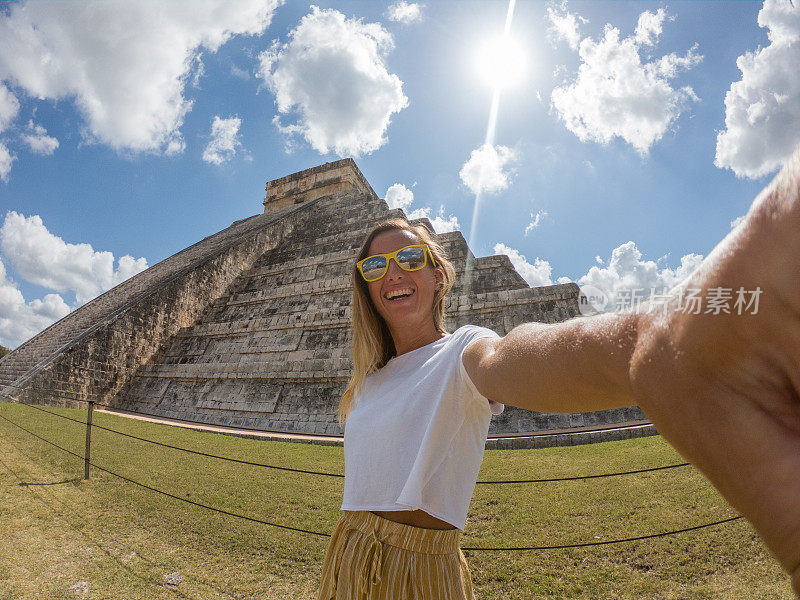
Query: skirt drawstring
(371, 568)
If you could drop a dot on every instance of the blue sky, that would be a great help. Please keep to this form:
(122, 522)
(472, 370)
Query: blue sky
(630, 143)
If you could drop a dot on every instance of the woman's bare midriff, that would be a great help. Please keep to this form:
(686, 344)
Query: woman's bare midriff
(416, 518)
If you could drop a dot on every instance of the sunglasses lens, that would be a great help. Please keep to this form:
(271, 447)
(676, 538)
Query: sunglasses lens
(411, 259)
(374, 267)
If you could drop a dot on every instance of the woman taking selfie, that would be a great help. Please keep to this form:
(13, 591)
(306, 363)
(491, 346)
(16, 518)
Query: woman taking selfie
(723, 389)
(415, 432)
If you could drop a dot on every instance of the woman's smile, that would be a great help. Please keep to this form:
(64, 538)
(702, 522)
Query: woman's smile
(398, 294)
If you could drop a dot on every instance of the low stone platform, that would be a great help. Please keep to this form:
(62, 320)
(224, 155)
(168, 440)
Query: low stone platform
(560, 437)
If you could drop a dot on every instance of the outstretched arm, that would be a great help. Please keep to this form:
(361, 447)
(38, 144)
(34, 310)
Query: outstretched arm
(724, 389)
(574, 366)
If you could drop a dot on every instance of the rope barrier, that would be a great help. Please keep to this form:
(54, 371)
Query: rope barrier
(317, 533)
(579, 477)
(189, 450)
(144, 485)
(606, 542)
(256, 464)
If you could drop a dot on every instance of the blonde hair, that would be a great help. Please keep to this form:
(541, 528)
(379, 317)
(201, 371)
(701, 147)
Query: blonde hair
(373, 345)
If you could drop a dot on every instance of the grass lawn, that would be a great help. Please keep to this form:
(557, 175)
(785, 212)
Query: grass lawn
(62, 537)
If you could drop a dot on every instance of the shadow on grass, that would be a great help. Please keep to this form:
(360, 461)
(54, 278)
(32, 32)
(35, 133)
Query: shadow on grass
(27, 483)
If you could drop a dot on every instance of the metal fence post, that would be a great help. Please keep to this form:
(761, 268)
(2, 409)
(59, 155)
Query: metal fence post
(88, 440)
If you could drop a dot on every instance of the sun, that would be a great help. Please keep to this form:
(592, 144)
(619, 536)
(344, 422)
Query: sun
(501, 62)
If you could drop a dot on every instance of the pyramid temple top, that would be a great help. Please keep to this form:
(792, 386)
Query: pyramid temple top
(310, 184)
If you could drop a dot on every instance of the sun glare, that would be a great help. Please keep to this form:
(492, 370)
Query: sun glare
(501, 62)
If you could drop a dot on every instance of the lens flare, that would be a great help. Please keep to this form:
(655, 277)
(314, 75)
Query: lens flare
(501, 62)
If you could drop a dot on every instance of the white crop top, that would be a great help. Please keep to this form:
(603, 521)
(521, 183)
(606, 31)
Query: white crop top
(415, 435)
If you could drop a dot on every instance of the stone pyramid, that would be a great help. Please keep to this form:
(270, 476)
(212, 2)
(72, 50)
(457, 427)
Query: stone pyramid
(249, 327)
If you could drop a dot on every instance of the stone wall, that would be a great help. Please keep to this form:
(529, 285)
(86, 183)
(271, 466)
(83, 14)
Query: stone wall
(338, 176)
(93, 351)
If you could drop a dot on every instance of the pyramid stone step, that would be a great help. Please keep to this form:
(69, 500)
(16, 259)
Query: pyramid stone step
(311, 321)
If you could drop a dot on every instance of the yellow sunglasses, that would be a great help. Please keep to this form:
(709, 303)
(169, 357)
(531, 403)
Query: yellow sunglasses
(410, 258)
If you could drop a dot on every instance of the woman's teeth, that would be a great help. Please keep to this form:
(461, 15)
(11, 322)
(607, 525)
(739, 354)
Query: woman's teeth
(399, 294)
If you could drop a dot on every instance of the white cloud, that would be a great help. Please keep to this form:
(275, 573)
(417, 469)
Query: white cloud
(535, 220)
(332, 72)
(649, 27)
(6, 158)
(559, 72)
(125, 63)
(45, 259)
(237, 71)
(625, 271)
(199, 70)
(535, 274)
(399, 196)
(9, 107)
(486, 169)
(224, 140)
(735, 223)
(762, 109)
(404, 12)
(442, 225)
(38, 141)
(563, 24)
(615, 94)
(127, 267)
(439, 222)
(21, 320)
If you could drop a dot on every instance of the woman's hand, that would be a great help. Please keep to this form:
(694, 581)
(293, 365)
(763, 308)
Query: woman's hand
(724, 389)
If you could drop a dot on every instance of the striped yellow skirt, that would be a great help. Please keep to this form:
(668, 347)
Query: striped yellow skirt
(372, 558)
